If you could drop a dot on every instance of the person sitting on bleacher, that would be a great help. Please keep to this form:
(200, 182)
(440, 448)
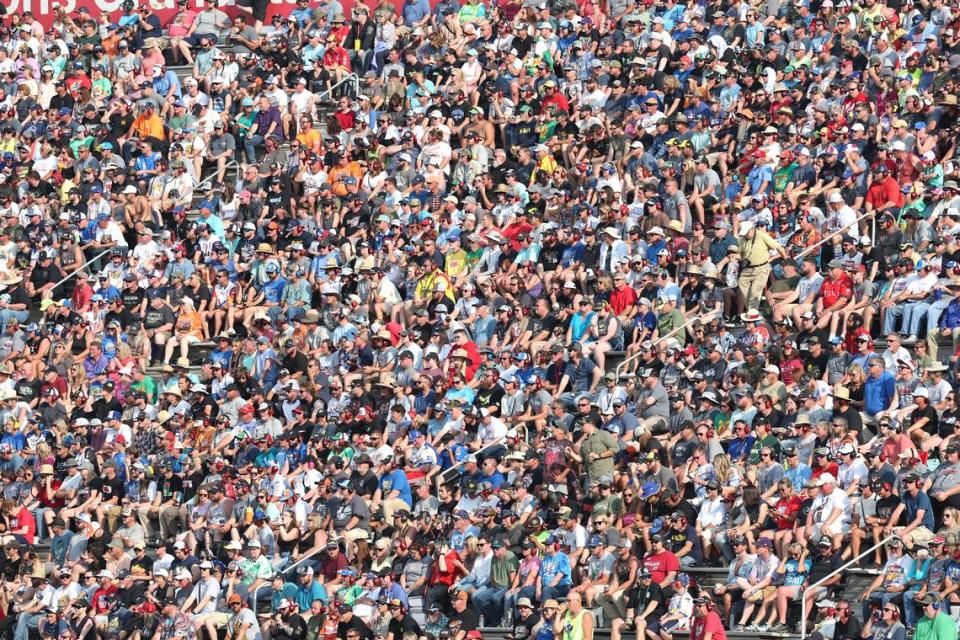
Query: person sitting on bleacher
(935, 623)
(892, 581)
(885, 624)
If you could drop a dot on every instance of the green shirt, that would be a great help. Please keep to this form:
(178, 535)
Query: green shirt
(148, 386)
(940, 627)
(667, 322)
(502, 570)
(598, 442)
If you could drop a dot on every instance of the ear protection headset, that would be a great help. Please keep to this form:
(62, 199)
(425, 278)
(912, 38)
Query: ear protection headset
(935, 604)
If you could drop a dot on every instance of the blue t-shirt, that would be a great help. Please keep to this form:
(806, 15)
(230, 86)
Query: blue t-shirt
(794, 574)
(913, 504)
(878, 392)
(397, 481)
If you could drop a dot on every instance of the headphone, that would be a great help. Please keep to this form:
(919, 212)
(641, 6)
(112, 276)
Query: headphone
(935, 604)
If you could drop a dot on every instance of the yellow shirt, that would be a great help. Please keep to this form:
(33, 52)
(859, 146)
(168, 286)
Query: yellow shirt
(756, 250)
(455, 263)
(427, 283)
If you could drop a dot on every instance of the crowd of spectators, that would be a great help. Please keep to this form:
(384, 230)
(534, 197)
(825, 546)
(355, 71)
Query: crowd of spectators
(406, 321)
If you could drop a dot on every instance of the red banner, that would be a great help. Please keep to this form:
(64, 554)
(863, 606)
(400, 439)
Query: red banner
(43, 10)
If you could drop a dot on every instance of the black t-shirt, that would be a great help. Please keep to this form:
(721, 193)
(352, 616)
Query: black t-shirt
(468, 620)
(198, 295)
(399, 627)
(111, 488)
(356, 624)
(537, 324)
(933, 420)
(886, 506)
(295, 362)
(169, 487)
(816, 365)
(102, 407)
(644, 596)
(132, 298)
(849, 630)
(489, 397)
(154, 317)
(28, 390)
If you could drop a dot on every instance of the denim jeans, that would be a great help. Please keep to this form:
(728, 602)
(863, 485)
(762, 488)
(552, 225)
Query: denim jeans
(935, 310)
(489, 604)
(890, 319)
(249, 147)
(913, 314)
(25, 622)
(909, 608)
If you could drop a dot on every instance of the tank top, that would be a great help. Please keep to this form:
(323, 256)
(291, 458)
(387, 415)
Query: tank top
(67, 259)
(572, 626)
(580, 325)
(79, 344)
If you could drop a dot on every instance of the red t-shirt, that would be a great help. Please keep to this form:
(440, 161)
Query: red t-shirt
(832, 468)
(24, 519)
(622, 299)
(445, 577)
(660, 564)
(101, 598)
(832, 290)
(887, 190)
(786, 507)
(709, 623)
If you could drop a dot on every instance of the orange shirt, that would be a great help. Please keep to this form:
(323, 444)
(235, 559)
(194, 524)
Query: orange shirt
(148, 127)
(310, 139)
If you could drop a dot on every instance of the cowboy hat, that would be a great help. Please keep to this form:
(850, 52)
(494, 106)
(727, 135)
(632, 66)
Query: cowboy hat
(265, 247)
(751, 316)
(937, 366)
(841, 393)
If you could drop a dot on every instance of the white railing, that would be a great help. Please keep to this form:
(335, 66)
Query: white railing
(442, 476)
(81, 267)
(353, 79)
(208, 181)
(707, 317)
(838, 571)
(824, 240)
(256, 592)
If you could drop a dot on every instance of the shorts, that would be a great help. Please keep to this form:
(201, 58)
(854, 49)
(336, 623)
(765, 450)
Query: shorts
(671, 626)
(194, 40)
(259, 8)
(217, 618)
(759, 596)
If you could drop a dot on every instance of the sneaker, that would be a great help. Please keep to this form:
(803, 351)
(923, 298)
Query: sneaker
(779, 628)
(911, 339)
(763, 626)
(738, 628)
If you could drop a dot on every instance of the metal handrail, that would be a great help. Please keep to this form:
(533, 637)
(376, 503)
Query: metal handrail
(443, 474)
(803, 601)
(704, 318)
(233, 164)
(82, 267)
(256, 591)
(352, 78)
(825, 239)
